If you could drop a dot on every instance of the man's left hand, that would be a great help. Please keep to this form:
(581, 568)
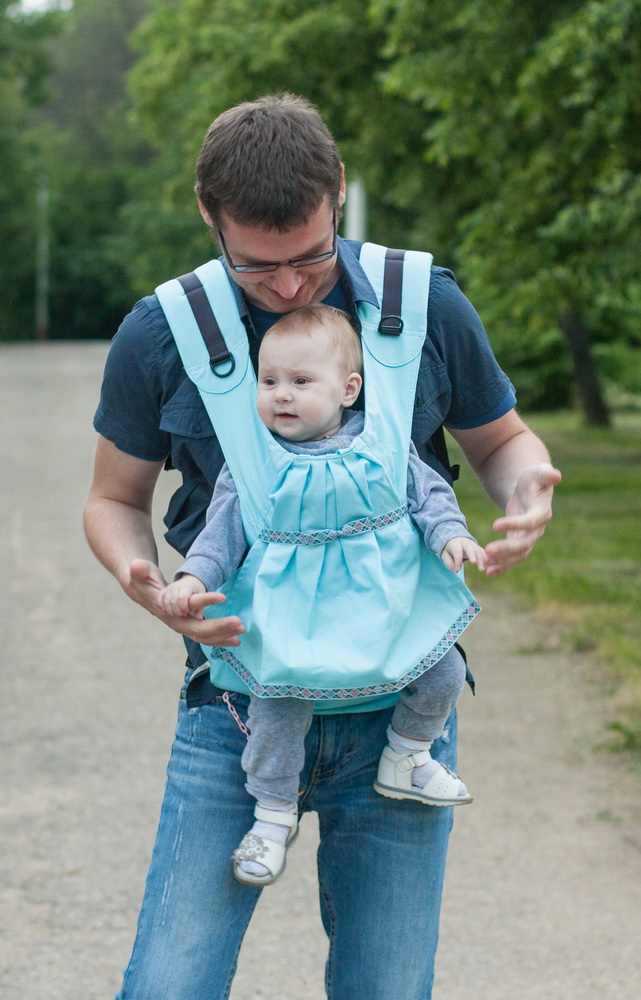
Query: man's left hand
(526, 514)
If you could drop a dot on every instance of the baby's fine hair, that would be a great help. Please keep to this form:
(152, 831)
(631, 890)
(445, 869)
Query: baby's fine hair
(343, 334)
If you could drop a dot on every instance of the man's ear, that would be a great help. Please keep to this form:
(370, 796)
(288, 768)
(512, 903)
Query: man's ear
(205, 214)
(353, 384)
(342, 190)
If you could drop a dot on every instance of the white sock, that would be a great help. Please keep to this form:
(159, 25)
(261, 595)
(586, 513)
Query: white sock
(275, 832)
(405, 744)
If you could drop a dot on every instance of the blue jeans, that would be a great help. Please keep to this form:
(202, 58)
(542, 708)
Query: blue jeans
(380, 864)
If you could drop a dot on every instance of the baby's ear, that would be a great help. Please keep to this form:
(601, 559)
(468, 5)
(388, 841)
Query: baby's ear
(353, 384)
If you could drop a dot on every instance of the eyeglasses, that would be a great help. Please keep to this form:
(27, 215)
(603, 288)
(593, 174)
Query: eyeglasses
(260, 268)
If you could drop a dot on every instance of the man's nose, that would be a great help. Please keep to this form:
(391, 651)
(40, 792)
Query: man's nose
(286, 281)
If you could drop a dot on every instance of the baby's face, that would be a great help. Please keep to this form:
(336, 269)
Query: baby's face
(302, 386)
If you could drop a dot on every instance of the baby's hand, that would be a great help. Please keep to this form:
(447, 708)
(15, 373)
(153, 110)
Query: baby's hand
(174, 598)
(458, 550)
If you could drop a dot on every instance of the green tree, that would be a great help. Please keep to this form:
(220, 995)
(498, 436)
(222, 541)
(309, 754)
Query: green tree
(542, 102)
(89, 152)
(24, 64)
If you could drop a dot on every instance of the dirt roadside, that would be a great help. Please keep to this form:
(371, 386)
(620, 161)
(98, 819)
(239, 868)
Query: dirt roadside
(543, 896)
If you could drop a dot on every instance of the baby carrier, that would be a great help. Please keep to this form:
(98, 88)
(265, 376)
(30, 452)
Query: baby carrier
(339, 595)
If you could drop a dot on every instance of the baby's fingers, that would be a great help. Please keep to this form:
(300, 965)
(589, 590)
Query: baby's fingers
(165, 602)
(475, 554)
(174, 605)
(452, 555)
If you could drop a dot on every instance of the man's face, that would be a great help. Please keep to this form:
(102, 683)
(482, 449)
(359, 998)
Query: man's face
(286, 288)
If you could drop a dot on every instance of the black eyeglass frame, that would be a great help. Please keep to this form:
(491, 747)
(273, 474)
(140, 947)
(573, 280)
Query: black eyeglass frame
(263, 268)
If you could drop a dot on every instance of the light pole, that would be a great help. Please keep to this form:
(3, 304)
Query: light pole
(355, 211)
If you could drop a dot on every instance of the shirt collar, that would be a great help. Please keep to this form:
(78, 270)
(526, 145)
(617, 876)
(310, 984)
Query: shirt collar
(360, 288)
(356, 280)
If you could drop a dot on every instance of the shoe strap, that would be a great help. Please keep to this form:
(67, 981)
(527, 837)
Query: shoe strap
(275, 816)
(412, 760)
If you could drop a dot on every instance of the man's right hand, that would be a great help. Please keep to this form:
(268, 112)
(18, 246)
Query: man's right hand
(145, 582)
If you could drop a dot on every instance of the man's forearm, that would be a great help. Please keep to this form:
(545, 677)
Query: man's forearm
(119, 530)
(500, 471)
(499, 452)
(117, 534)
(513, 466)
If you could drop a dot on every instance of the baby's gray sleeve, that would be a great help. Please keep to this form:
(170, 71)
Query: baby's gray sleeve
(219, 548)
(433, 506)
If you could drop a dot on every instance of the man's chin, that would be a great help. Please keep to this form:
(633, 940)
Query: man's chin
(278, 304)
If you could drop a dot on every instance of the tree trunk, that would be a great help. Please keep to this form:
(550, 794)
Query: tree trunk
(586, 376)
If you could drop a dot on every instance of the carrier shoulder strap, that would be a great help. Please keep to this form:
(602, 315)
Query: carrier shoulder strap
(392, 325)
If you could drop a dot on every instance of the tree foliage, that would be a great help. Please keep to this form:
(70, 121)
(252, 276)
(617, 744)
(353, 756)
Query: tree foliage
(202, 56)
(502, 135)
(542, 102)
(90, 152)
(24, 63)
(63, 124)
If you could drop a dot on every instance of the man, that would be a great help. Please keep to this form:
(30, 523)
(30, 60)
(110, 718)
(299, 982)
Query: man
(271, 188)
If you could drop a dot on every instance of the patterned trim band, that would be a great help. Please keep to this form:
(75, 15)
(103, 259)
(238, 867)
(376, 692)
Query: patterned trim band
(344, 694)
(324, 535)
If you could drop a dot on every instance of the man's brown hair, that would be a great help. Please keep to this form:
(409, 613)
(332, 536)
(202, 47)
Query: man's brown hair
(268, 163)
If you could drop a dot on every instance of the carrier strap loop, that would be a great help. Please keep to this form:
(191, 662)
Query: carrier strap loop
(208, 325)
(391, 322)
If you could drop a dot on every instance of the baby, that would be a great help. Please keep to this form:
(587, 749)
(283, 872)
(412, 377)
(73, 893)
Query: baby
(309, 377)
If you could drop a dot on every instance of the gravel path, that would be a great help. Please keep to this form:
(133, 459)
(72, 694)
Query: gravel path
(543, 897)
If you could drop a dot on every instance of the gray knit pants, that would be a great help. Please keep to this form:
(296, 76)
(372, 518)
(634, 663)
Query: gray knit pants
(275, 752)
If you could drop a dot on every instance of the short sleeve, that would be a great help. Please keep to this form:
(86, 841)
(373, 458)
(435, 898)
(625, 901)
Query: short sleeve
(131, 396)
(479, 390)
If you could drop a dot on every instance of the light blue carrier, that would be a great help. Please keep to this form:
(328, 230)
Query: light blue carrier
(339, 595)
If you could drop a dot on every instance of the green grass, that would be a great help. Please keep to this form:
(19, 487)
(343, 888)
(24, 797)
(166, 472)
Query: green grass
(584, 577)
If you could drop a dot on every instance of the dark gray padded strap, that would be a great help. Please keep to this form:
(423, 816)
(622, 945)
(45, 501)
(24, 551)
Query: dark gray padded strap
(208, 325)
(391, 322)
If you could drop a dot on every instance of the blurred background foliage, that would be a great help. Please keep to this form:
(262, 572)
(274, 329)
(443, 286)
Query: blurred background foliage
(501, 135)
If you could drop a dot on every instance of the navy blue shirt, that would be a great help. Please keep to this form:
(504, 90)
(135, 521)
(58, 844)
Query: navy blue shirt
(150, 409)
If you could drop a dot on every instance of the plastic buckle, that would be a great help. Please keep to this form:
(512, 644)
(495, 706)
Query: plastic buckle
(391, 325)
(223, 361)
